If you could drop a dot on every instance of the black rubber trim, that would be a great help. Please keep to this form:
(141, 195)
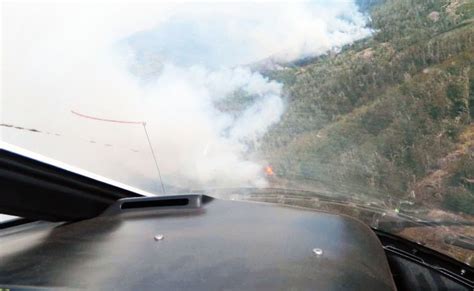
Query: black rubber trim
(155, 203)
(39, 191)
(15, 222)
(456, 270)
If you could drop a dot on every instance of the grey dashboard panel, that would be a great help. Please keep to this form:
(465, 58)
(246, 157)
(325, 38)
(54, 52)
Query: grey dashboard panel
(210, 245)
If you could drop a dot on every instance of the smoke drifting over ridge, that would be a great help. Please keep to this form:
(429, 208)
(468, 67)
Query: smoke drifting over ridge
(166, 64)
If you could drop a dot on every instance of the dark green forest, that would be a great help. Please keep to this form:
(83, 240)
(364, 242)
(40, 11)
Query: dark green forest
(391, 115)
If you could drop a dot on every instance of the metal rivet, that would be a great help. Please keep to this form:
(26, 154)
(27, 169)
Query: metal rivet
(463, 272)
(158, 237)
(317, 252)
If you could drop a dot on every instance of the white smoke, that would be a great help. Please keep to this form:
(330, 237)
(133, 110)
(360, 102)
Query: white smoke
(166, 64)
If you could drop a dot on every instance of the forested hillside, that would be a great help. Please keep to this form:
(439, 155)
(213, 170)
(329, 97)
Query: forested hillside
(391, 114)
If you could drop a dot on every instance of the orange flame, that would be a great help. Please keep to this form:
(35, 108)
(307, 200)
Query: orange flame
(269, 171)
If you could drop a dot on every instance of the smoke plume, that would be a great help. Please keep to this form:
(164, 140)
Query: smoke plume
(181, 68)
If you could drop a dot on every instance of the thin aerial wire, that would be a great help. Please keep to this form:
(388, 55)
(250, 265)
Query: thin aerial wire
(154, 158)
(103, 119)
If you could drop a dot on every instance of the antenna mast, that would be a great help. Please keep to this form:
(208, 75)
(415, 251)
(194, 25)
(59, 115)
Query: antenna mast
(154, 158)
(143, 123)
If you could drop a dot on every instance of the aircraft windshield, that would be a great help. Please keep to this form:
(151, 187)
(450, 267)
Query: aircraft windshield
(367, 101)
